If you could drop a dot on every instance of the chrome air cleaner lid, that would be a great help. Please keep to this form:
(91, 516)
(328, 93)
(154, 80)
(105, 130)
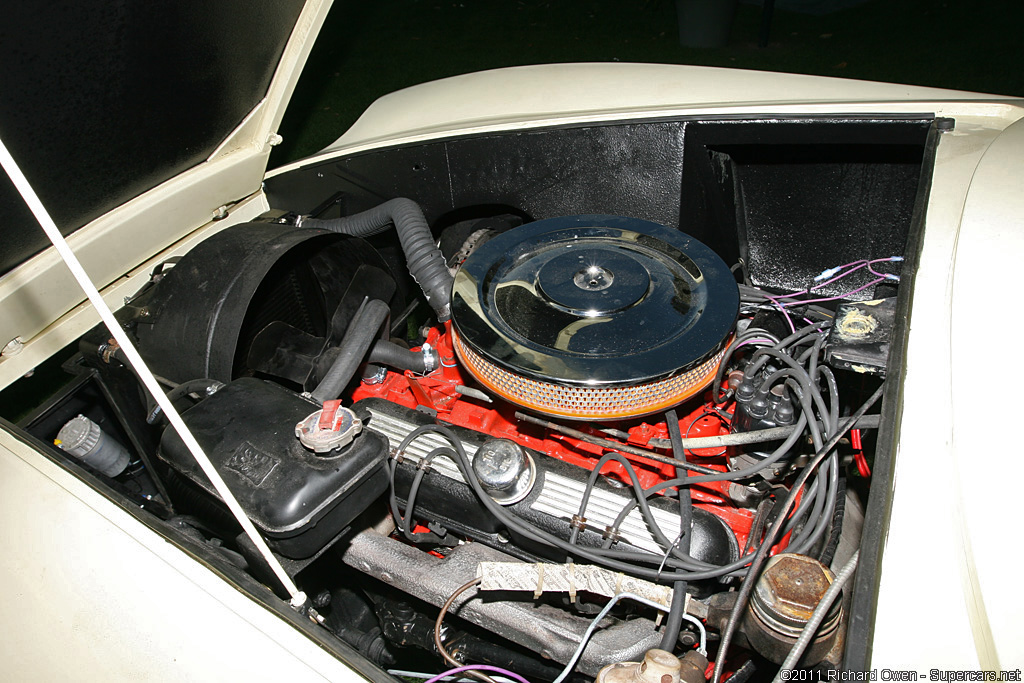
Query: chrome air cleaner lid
(593, 312)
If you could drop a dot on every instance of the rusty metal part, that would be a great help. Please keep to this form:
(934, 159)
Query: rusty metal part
(692, 667)
(658, 666)
(552, 632)
(784, 599)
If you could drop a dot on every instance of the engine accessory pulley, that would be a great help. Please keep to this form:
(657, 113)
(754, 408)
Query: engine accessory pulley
(593, 317)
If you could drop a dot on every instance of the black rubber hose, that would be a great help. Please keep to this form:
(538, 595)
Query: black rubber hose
(674, 623)
(829, 553)
(119, 356)
(779, 453)
(404, 524)
(204, 387)
(152, 409)
(360, 335)
(752, 437)
(410, 505)
(640, 500)
(746, 337)
(388, 353)
(772, 532)
(744, 673)
(195, 386)
(425, 262)
(526, 529)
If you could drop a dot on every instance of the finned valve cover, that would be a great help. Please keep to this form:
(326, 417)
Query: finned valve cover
(593, 317)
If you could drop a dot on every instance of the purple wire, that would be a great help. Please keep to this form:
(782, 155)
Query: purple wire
(851, 263)
(477, 667)
(782, 309)
(819, 285)
(753, 341)
(875, 272)
(858, 264)
(863, 263)
(884, 275)
(834, 298)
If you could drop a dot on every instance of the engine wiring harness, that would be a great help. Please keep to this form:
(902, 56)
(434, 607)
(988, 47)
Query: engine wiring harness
(667, 516)
(803, 470)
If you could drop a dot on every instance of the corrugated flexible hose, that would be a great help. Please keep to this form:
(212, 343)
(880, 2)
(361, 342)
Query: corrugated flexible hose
(424, 260)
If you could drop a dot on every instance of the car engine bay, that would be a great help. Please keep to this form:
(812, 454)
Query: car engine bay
(598, 401)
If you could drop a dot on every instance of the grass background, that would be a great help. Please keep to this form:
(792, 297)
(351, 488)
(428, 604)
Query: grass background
(368, 49)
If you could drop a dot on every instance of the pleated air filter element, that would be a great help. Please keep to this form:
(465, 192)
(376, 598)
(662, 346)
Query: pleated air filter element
(593, 317)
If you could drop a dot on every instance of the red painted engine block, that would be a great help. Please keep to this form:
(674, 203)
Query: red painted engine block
(439, 392)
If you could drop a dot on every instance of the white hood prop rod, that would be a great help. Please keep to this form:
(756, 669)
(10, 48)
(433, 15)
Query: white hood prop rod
(298, 598)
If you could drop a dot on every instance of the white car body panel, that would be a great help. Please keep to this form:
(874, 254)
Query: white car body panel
(69, 326)
(990, 244)
(42, 290)
(912, 594)
(942, 602)
(562, 94)
(93, 594)
(948, 547)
